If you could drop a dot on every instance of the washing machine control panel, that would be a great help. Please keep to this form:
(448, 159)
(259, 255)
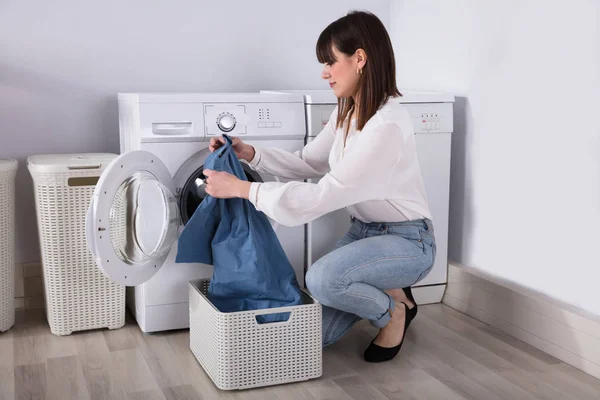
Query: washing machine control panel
(256, 119)
(149, 118)
(431, 118)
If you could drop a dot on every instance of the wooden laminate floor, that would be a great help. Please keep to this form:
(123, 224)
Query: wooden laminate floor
(447, 355)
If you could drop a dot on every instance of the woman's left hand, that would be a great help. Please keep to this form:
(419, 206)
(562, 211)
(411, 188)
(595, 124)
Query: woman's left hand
(223, 185)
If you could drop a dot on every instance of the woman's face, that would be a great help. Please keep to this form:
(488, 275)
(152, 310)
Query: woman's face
(341, 75)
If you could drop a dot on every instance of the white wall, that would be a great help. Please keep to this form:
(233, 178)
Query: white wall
(63, 62)
(525, 186)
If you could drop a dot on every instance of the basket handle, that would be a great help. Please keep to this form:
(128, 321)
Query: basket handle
(83, 181)
(75, 167)
(269, 312)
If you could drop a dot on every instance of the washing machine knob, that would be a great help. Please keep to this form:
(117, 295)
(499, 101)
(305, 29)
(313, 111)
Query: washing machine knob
(226, 122)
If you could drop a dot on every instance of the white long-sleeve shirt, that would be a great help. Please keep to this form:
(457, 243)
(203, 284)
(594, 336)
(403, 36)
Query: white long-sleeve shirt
(376, 177)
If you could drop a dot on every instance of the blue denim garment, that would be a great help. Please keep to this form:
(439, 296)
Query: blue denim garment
(251, 270)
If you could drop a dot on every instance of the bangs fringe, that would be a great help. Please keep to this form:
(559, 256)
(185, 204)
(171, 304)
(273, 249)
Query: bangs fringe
(325, 48)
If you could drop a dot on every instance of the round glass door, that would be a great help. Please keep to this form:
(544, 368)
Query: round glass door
(143, 219)
(134, 218)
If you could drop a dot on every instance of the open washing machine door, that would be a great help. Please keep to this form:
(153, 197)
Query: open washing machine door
(133, 219)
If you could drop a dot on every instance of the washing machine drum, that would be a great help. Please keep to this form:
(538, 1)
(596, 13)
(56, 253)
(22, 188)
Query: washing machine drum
(194, 192)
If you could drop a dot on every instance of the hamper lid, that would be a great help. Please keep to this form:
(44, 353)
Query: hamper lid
(8, 165)
(68, 162)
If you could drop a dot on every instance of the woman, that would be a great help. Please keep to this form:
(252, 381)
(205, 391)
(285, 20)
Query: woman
(368, 157)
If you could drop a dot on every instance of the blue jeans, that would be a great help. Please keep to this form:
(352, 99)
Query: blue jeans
(372, 257)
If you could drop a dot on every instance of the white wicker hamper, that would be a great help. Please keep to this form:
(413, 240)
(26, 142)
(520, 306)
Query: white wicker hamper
(239, 353)
(8, 169)
(78, 296)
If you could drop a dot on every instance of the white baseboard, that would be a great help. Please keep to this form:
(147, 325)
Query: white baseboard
(561, 330)
(429, 294)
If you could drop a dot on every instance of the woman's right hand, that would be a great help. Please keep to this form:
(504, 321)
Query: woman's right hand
(242, 150)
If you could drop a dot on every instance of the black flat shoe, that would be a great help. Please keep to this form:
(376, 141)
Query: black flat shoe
(375, 353)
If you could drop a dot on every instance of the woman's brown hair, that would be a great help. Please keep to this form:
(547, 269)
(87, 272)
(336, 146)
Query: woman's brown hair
(362, 30)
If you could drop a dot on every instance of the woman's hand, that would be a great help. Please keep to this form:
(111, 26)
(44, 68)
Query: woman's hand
(242, 150)
(223, 185)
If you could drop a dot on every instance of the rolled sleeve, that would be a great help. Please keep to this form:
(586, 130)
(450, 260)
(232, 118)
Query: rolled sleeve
(253, 194)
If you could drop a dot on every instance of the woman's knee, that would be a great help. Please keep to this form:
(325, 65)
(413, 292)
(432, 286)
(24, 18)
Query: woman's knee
(318, 283)
(313, 281)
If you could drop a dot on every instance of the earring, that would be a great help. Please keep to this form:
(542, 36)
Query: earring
(358, 71)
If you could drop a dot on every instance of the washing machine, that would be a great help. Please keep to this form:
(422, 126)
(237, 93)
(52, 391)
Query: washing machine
(432, 116)
(145, 196)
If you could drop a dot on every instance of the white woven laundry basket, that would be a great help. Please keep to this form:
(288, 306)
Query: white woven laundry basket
(239, 353)
(8, 169)
(78, 296)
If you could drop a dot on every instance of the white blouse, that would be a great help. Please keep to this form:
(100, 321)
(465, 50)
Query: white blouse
(376, 177)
